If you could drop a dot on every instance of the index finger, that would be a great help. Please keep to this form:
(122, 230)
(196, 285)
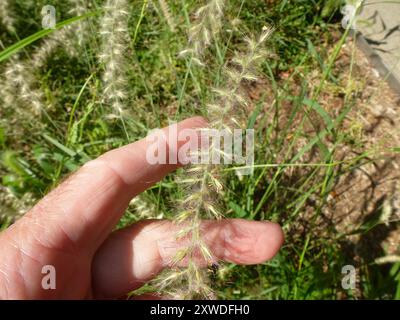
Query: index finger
(84, 209)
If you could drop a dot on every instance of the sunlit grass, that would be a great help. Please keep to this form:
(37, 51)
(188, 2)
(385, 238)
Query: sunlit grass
(298, 140)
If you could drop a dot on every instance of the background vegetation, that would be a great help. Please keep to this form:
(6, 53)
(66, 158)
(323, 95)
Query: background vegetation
(301, 137)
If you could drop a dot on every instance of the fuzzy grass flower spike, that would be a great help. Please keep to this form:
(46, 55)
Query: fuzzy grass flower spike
(204, 187)
(115, 39)
(205, 29)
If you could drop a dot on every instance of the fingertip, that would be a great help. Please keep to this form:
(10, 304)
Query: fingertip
(251, 242)
(195, 122)
(273, 236)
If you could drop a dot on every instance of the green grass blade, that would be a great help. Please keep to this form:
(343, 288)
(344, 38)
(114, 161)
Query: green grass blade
(60, 146)
(6, 53)
(317, 107)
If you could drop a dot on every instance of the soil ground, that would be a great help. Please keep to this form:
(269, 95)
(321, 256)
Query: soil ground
(373, 190)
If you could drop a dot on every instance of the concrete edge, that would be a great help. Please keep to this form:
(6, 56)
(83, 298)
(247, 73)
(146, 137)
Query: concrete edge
(376, 61)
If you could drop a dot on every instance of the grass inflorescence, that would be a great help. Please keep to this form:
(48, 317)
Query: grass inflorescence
(107, 80)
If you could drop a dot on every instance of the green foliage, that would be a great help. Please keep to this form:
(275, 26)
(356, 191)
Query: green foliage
(296, 163)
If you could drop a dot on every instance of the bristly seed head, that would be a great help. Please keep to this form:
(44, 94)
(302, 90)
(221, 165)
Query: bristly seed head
(226, 111)
(115, 37)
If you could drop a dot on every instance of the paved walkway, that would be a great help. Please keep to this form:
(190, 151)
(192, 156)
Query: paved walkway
(379, 24)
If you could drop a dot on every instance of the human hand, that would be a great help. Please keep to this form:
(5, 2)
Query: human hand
(71, 229)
